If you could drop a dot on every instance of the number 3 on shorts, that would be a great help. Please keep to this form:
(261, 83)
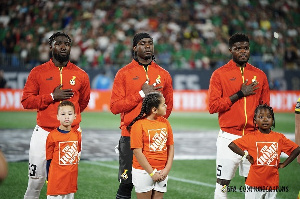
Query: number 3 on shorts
(219, 170)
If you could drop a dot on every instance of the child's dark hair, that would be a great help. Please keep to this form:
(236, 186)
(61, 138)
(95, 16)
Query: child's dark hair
(151, 100)
(264, 106)
(52, 38)
(237, 37)
(66, 103)
(137, 37)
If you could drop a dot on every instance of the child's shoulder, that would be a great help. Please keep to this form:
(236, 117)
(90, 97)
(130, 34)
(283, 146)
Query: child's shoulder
(162, 119)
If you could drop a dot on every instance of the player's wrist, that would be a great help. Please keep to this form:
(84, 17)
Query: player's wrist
(153, 172)
(240, 94)
(142, 94)
(51, 94)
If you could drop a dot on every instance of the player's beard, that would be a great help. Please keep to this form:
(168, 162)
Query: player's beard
(60, 58)
(147, 57)
(241, 62)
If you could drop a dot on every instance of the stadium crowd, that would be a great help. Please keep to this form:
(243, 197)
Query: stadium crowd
(187, 34)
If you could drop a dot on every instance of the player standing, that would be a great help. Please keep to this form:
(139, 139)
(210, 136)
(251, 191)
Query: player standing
(47, 85)
(131, 84)
(235, 90)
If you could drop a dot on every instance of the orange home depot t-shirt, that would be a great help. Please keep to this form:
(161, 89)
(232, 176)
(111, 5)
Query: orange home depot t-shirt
(153, 136)
(265, 150)
(63, 149)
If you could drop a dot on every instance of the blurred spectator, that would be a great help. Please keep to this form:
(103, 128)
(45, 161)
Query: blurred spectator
(290, 57)
(3, 82)
(187, 34)
(75, 53)
(44, 52)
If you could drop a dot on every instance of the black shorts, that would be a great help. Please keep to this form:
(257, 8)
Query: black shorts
(125, 160)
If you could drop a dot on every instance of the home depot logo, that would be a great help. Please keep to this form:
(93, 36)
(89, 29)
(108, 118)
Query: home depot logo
(158, 139)
(267, 153)
(68, 153)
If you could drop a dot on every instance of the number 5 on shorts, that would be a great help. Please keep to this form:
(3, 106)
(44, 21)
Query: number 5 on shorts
(219, 170)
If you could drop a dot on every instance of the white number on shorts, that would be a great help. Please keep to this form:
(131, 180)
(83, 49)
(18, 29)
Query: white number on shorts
(32, 169)
(219, 170)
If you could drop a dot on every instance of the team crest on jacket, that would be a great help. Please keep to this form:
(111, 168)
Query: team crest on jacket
(72, 81)
(157, 81)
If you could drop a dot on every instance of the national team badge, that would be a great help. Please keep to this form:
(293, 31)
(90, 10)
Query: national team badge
(157, 81)
(72, 81)
(254, 79)
(124, 174)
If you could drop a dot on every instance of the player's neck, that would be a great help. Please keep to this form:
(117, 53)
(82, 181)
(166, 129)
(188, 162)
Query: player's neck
(60, 64)
(143, 62)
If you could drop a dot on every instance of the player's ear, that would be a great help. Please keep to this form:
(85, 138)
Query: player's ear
(154, 110)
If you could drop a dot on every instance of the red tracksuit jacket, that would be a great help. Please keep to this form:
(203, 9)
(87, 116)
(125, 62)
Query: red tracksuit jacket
(125, 97)
(42, 81)
(236, 118)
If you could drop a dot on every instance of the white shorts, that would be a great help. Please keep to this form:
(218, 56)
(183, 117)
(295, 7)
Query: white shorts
(144, 183)
(67, 196)
(250, 193)
(37, 153)
(228, 161)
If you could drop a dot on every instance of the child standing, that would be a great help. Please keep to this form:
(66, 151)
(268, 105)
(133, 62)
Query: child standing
(62, 148)
(153, 148)
(264, 147)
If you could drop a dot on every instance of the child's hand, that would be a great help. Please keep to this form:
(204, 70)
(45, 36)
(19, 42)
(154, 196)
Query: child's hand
(156, 177)
(281, 165)
(250, 159)
(163, 173)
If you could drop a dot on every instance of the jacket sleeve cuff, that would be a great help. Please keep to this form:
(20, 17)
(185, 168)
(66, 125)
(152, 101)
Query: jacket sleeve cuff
(142, 94)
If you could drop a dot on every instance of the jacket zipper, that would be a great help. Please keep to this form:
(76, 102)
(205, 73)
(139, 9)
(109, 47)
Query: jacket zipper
(60, 70)
(245, 102)
(146, 70)
(60, 74)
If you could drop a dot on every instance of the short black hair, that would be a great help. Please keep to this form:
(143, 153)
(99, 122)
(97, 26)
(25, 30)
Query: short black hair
(151, 100)
(137, 37)
(52, 38)
(237, 37)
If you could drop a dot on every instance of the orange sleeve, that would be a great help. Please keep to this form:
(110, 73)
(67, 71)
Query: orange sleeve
(170, 140)
(79, 141)
(265, 94)
(85, 91)
(136, 136)
(31, 99)
(242, 142)
(168, 95)
(50, 145)
(120, 102)
(288, 146)
(216, 101)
